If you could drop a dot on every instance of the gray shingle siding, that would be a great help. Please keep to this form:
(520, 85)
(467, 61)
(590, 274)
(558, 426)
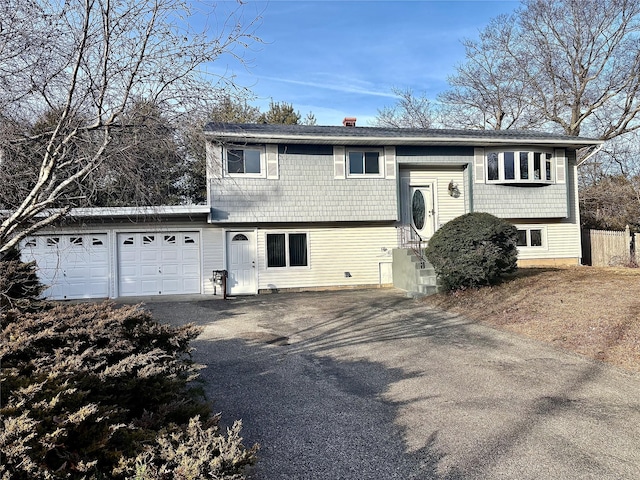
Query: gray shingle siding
(507, 201)
(306, 191)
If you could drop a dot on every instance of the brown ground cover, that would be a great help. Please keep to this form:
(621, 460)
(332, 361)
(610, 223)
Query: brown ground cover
(588, 310)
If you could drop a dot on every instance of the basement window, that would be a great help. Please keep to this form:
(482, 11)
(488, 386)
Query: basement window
(530, 237)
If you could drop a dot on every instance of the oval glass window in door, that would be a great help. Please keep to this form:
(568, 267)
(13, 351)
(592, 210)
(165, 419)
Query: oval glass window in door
(418, 209)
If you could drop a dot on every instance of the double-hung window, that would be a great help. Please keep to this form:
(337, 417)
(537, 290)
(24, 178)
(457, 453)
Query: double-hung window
(245, 161)
(364, 162)
(287, 250)
(520, 167)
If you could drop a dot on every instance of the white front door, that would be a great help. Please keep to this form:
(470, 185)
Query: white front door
(241, 263)
(417, 207)
(421, 210)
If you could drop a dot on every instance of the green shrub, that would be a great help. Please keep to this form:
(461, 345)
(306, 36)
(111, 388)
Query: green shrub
(472, 250)
(92, 391)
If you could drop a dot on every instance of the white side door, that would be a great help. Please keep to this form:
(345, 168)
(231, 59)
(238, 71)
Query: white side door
(241, 263)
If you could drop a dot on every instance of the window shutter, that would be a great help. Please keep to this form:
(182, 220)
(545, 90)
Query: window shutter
(215, 166)
(339, 162)
(478, 165)
(390, 161)
(561, 166)
(272, 161)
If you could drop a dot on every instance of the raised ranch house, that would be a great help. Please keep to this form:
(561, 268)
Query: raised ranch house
(310, 207)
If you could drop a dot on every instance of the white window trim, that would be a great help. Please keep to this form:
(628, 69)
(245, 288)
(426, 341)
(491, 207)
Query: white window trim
(286, 251)
(516, 153)
(381, 163)
(543, 235)
(263, 162)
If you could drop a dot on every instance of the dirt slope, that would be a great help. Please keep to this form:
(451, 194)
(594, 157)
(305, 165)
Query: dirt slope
(588, 310)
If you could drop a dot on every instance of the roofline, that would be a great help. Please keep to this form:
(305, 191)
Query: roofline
(97, 212)
(169, 210)
(478, 140)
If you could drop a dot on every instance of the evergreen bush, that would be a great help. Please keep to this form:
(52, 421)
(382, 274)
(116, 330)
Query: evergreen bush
(92, 391)
(473, 250)
(20, 288)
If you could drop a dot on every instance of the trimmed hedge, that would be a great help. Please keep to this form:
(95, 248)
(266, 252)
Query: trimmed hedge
(473, 250)
(92, 391)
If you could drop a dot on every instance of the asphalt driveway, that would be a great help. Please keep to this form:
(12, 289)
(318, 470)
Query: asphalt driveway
(368, 384)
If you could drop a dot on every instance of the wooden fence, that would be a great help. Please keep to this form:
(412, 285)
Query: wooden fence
(604, 248)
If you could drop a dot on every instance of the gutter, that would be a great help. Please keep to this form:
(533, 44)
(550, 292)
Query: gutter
(402, 140)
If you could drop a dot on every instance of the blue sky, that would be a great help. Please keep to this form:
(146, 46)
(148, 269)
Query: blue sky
(342, 58)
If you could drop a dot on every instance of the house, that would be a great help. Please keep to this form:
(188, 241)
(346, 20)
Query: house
(309, 207)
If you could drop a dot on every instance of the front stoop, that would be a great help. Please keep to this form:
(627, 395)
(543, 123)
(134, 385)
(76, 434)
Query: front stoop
(415, 276)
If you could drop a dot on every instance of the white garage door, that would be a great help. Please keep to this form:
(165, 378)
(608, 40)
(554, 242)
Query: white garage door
(74, 266)
(158, 263)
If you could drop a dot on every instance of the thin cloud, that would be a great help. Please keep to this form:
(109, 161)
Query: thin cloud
(334, 87)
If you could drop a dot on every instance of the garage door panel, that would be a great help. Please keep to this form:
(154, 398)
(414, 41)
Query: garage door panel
(188, 270)
(148, 255)
(148, 270)
(161, 263)
(170, 255)
(171, 269)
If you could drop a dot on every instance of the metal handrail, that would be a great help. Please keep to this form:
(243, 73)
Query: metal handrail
(415, 242)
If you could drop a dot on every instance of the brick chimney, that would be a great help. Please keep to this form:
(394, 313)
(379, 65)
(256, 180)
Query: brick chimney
(349, 121)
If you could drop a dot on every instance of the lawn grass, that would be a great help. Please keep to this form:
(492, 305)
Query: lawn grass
(588, 310)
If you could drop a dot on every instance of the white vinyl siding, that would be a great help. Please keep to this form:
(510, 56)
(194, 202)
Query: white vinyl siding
(333, 252)
(560, 240)
(212, 257)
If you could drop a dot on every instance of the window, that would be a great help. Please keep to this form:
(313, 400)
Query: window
(520, 167)
(244, 161)
(530, 237)
(364, 162)
(287, 250)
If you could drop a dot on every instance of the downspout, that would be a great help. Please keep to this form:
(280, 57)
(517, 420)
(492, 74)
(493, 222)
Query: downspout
(470, 190)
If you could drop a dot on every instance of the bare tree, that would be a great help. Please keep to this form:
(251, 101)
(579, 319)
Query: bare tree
(572, 64)
(410, 111)
(88, 61)
(488, 92)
